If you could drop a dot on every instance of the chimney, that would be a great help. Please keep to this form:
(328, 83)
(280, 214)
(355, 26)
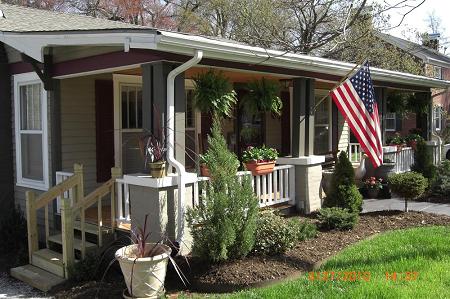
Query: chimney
(431, 40)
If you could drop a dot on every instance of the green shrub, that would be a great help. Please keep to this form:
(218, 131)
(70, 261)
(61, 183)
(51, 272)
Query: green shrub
(275, 234)
(408, 185)
(224, 222)
(441, 185)
(423, 161)
(305, 230)
(13, 235)
(86, 269)
(344, 193)
(337, 218)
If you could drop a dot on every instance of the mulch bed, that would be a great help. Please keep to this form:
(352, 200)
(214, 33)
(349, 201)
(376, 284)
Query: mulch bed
(258, 270)
(307, 254)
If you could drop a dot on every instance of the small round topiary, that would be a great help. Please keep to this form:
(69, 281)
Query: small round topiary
(408, 185)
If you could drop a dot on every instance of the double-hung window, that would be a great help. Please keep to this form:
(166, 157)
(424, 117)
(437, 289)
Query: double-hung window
(437, 118)
(30, 104)
(391, 122)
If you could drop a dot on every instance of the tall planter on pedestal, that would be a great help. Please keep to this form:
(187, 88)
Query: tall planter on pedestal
(154, 152)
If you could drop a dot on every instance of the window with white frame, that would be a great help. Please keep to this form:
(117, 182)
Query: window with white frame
(131, 96)
(322, 121)
(31, 132)
(437, 118)
(437, 72)
(390, 121)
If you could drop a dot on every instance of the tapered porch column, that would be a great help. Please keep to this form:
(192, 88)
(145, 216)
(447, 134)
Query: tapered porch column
(154, 103)
(308, 168)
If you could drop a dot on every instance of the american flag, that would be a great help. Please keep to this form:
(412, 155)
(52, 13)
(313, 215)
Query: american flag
(355, 100)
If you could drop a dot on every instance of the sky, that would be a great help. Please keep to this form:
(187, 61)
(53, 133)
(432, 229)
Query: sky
(417, 19)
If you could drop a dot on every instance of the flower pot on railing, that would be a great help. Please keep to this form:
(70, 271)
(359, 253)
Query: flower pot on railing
(157, 169)
(260, 160)
(204, 170)
(260, 168)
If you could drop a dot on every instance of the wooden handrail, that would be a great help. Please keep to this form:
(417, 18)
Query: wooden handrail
(91, 198)
(56, 191)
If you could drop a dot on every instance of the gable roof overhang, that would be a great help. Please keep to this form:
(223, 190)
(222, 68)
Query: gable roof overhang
(34, 44)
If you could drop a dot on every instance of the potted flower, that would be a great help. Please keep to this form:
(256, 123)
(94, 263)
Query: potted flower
(397, 141)
(413, 139)
(154, 153)
(214, 94)
(373, 186)
(144, 264)
(204, 161)
(260, 160)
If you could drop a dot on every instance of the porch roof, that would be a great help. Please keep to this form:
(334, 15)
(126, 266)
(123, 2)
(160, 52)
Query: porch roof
(32, 31)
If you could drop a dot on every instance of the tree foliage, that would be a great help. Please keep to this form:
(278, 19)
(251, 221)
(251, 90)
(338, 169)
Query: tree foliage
(342, 29)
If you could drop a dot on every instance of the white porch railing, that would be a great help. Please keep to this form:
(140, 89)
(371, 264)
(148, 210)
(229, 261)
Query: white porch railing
(123, 202)
(354, 152)
(61, 176)
(270, 189)
(403, 159)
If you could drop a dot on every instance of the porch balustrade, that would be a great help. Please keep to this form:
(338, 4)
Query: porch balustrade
(271, 189)
(403, 159)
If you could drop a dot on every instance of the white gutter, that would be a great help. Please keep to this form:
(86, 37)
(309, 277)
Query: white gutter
(171, 136)
(225, 50)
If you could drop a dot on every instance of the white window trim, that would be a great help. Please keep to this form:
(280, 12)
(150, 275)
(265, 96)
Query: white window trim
(21, 80)
(395, 120)
(119, 80)
(329, 101)
(437, 113)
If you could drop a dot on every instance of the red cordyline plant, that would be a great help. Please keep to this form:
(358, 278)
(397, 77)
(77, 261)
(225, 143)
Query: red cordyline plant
(140, 235)
(153, 148)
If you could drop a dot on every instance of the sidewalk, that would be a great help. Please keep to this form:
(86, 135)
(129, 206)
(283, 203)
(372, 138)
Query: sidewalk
(371, 205)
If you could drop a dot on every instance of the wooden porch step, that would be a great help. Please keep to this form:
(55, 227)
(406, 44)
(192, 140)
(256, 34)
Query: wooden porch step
(36, 277)
(91, 228)
(57, 239)
(49, 260)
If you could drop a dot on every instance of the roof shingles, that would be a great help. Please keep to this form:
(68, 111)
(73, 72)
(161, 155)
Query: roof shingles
(24, 19)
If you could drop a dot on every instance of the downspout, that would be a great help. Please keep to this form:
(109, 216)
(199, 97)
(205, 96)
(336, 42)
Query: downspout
(171, 137)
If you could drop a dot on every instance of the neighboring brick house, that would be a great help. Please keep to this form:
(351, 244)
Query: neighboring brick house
(436, 65)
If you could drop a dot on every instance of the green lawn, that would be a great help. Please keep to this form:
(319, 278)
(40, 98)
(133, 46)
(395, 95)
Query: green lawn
(420, 257)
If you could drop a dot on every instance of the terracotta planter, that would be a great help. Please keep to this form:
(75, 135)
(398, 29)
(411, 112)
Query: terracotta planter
(204, 170)
(157, 169)
(260, 168)
(372, 193)
(413, 144)
(144, 277)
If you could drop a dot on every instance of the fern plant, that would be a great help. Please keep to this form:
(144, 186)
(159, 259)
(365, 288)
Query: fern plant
(263, 96)
(214, 94)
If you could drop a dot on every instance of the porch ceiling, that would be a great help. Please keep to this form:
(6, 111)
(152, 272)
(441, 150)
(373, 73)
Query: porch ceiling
(234, 75)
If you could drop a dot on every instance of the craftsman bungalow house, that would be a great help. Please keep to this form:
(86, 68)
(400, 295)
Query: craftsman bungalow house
(76, 90)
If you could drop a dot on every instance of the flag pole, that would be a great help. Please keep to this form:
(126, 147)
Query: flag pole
(313, 109)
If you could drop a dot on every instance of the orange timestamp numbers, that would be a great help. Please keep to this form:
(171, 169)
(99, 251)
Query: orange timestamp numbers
(360, 276)
(339, 276)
